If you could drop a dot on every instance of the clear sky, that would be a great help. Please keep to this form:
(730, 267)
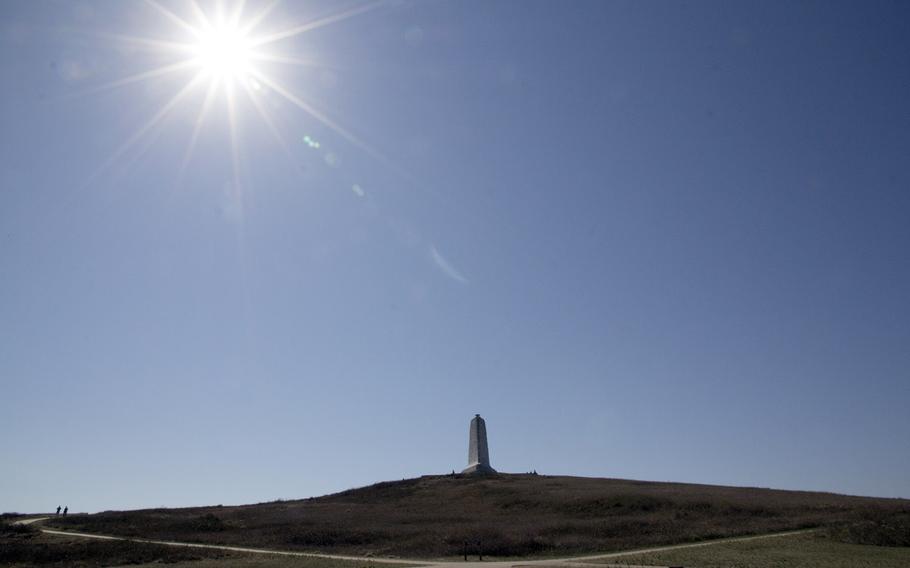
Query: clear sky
(650, 240)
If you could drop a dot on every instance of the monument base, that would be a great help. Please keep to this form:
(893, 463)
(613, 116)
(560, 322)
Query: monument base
(478, 469)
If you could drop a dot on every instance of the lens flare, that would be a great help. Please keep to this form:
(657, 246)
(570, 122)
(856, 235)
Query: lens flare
(229, 56)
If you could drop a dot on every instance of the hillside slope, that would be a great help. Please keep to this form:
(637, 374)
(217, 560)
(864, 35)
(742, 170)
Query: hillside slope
(506, 515)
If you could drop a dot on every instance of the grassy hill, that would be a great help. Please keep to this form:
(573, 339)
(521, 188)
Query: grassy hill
(506, 515)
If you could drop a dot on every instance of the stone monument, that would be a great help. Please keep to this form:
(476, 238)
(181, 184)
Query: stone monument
(478, 453)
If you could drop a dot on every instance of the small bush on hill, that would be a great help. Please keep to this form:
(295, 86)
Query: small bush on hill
(8, 529)
(877, 528)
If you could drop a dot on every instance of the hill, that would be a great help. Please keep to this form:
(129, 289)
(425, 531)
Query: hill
(505, 515)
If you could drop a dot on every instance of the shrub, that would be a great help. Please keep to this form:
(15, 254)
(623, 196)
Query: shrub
(877, 528)
(9, 529)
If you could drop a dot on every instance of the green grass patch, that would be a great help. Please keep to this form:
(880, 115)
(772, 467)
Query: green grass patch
(798, 551)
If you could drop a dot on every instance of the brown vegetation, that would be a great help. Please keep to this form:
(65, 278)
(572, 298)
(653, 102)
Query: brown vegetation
(506, 515)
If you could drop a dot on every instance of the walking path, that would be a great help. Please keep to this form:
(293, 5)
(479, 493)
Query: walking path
(572, 562)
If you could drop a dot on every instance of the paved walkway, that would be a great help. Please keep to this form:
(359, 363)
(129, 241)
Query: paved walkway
(572, 562)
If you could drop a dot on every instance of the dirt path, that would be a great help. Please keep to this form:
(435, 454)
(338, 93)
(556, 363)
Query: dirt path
(573, 562)
(30, 521)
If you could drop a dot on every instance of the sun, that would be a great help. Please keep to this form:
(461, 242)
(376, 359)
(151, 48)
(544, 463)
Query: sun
(232, 54)
(224, 53)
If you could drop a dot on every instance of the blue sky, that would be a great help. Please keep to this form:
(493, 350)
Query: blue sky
(650, 240)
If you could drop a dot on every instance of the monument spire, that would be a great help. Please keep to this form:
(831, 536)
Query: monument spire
(478, 452)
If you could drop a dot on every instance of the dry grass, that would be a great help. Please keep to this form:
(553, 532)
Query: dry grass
(505, 516)
(25, 546)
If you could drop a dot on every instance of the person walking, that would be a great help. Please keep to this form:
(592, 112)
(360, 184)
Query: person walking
(58, 509)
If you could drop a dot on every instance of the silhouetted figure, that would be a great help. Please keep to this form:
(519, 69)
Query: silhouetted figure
(65, 509)
(58, 509)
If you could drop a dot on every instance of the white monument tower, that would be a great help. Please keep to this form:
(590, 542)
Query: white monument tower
(478, 453)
